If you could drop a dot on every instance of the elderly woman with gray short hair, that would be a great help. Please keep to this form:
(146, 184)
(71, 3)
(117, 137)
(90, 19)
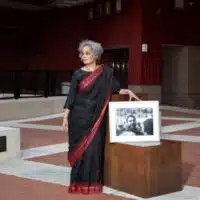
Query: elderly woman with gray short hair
(84, 118)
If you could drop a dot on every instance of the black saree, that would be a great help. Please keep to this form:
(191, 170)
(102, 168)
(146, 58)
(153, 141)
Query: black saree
(88, 98)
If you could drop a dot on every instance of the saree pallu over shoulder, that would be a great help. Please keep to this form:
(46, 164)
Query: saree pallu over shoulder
(87, 82)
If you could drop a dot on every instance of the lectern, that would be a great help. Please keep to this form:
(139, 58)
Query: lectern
(143, 171)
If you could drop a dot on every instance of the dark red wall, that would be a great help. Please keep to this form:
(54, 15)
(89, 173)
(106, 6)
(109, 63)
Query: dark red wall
(69, 28)
(170, 26)
(20, 37)
(121, 30)
(164, 25)
(49, 40)
(64, 31)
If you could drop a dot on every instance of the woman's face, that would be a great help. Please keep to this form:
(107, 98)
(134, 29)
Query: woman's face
(87, 56)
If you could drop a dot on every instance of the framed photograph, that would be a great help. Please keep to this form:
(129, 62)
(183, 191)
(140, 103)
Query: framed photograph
(134, 121)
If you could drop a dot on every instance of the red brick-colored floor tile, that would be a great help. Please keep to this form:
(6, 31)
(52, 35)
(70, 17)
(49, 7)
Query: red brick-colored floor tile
(54, 159)
(31, 138)
(190, 132)
(168, 113)
(15, 188)
(55, 121)
(167, 122)
(191, 163)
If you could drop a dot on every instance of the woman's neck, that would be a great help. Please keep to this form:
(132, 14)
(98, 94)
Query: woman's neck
(91, 67)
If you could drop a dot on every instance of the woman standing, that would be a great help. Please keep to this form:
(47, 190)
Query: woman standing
(90, 91)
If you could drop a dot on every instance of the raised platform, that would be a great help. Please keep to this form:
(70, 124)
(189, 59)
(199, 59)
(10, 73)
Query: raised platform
(144, 171)
(9, 143)
(12, 109)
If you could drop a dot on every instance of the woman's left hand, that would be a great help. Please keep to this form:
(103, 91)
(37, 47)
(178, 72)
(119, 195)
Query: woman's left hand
(133, 96)
(130, 94)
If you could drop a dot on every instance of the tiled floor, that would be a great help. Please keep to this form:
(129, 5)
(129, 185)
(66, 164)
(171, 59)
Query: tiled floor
(191, 163)
(43, 173)
(166, 122)
(54, 121)
(26, 189)
(192, 132)
(179, 114)
(59, 159)
(36, 137)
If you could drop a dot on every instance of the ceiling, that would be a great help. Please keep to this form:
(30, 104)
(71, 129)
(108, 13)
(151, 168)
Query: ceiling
(41, 4)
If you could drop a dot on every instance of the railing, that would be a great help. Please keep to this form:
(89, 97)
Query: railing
(33, 82)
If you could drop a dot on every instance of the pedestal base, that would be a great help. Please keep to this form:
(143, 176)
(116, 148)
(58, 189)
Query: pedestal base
(144, 171)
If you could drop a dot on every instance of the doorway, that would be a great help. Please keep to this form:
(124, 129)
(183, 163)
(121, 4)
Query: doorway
(174, 75)
(118, 60)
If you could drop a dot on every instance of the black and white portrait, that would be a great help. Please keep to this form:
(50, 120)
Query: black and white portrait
(130, 121)
(134, 121)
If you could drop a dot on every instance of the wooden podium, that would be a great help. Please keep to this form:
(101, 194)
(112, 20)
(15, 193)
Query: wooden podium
(143, 171)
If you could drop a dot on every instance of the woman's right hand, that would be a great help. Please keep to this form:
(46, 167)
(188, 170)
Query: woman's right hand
(65, 124)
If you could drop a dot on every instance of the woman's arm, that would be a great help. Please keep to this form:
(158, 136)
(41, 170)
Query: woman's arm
(66, 112)
(130, 93)
(116, 89)
(65, 119)
(72, 93)
(69, 102)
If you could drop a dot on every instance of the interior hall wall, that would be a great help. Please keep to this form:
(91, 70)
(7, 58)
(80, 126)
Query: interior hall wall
(122, 30)
(20, 35)
(52, 44)
(162, 24)
(62, 36)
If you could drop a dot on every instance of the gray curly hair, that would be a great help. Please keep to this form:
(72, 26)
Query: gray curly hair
(97, 49)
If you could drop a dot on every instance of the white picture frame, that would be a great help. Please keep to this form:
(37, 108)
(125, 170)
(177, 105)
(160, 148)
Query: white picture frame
(134, 121)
